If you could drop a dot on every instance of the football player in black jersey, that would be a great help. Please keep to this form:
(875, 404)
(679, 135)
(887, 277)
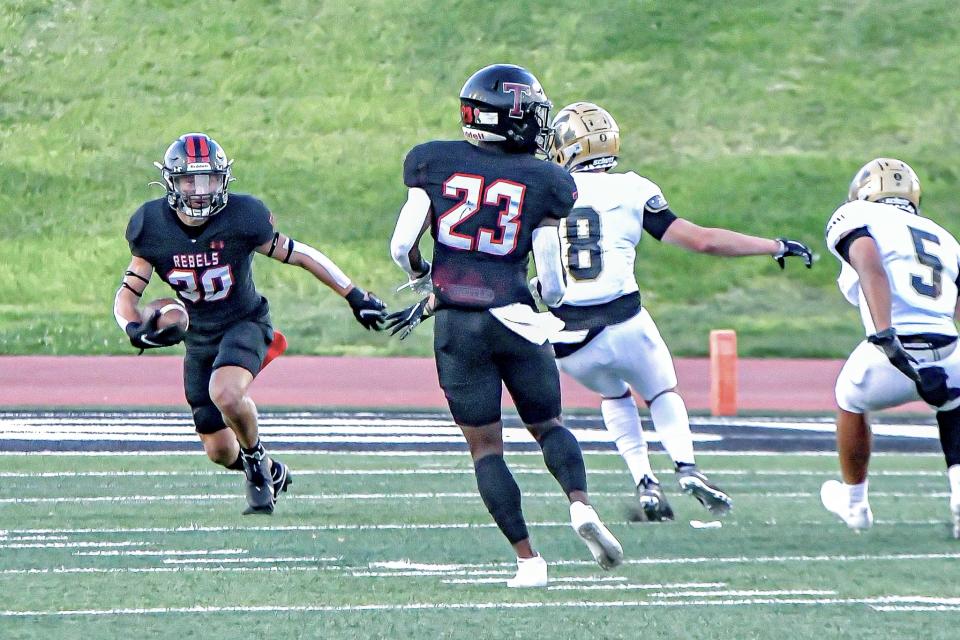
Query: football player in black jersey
(489, 205)
(201, 241)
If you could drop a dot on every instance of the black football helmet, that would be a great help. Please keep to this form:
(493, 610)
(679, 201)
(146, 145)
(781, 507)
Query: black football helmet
(505, 104)
(196, 174)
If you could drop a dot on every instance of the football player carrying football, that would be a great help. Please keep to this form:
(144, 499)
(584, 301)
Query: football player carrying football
(489, 205)
(901, 269)
(612, 344)
(200, 240)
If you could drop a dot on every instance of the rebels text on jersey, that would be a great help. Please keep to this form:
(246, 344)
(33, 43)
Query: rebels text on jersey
(921, 260)
(485, 206)
(209, 266)
(599, 239)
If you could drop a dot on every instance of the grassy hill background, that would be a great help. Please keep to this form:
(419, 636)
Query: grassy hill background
(749, 115)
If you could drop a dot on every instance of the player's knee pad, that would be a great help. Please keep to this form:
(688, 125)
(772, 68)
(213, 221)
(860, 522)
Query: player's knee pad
(208, 419)
(501, 496)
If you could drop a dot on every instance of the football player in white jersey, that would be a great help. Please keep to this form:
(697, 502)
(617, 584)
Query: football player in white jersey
(615, 348)
(901, 270)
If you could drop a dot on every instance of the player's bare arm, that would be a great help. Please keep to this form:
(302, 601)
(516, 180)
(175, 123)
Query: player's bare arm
(367, 308)
(866, 261)
(725, 242)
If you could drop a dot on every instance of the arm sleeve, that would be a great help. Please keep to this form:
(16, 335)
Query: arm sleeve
(546, 255)
(413, 216)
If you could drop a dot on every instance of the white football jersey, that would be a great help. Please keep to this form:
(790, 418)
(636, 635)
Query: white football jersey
(599, 238)
(920, 258)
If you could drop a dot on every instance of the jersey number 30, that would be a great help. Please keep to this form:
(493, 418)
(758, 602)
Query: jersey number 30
(469, 188)
(211, 284)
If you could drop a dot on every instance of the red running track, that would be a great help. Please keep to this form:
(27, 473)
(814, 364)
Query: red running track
(304, 381)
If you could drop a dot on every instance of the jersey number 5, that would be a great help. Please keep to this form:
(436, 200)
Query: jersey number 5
(211, 284)
(927, 259)
(468, 189)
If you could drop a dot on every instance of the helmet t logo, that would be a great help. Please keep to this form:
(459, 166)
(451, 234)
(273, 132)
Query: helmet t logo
(518, 90)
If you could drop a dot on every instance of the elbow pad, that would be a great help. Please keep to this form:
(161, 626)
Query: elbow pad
(550, 273)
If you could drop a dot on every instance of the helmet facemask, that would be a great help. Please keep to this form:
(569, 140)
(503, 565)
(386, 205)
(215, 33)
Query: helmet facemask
(199, 195)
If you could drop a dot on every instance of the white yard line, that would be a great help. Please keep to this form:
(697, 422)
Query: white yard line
(427, 495)
(439, 606)
(456, 472)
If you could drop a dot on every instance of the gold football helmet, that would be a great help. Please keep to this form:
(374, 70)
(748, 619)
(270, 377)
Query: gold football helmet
(585, 137)
(886, 180)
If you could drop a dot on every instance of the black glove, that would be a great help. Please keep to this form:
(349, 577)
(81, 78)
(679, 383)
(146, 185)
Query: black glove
(792, 248)
(933, 388)
(368, 309)
(890, 344)
(146, 335)
(405, 321)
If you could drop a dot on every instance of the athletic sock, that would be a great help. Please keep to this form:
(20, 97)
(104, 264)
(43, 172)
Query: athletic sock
(621, 419)
(501, 496)
(236, 465)
(669, 416)
(256, 451)
(564, 460)
(953, 475)
(857, 492)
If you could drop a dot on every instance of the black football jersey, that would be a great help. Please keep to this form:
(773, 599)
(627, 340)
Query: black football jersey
(210, 266)
(486, 204)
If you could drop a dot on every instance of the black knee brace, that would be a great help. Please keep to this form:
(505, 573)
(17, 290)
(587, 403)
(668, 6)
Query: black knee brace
(949, 423)
(208, 419)
(562, 455)
(501, 495)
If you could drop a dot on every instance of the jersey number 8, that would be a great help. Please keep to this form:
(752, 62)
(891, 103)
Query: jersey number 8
(584, 257)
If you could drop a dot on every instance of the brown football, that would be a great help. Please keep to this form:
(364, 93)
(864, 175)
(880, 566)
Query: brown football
(171, 310)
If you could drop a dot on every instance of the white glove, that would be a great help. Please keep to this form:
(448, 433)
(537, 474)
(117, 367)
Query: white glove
(422, 284)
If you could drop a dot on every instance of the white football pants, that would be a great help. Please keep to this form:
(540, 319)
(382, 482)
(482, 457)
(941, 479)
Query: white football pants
(868, 382)
(629, 353)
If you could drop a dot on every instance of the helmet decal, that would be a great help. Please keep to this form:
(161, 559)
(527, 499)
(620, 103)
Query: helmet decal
(518, 89)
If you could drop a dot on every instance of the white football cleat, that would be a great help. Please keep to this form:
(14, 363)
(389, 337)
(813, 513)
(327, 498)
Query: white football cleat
(531, 572)
(836, 499)
(603, 545)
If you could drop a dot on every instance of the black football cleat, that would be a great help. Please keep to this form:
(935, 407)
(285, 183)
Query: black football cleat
(651, 504)
(709, 495)
(282, 478)
(259, 484)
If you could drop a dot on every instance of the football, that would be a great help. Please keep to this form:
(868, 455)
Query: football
(171, 311)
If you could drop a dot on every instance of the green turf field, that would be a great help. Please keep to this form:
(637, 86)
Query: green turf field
(399, 546)
(749, 115)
